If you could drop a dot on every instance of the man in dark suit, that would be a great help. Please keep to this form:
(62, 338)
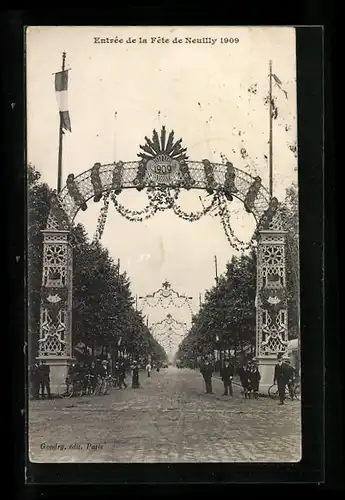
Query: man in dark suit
(206, 370)
(243, 372)
(34, 374)
(280, 379)
(45, 379)
(122, 375)
(290, 377)
(227, 373)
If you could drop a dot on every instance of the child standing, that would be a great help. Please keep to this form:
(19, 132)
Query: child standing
(148, 369)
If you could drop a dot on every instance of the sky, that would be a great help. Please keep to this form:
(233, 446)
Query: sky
(211, 95)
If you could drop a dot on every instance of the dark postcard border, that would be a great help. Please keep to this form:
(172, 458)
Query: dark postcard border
(310, 140)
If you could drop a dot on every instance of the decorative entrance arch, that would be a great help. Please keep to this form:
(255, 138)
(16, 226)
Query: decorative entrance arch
(163, 166)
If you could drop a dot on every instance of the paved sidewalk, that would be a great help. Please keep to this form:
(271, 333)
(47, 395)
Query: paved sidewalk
(169, 419)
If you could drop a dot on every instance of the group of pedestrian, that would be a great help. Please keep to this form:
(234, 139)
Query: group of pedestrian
(135, 368)
(249, 374)
(88, 375)
(120, 375)
(226, 372)
(39, 374)
(250, 379)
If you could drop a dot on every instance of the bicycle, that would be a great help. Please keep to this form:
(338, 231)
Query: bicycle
(112, 381)
(101, 387)
(89, 387)
(69, 389)
(274, 394)
(297, 391)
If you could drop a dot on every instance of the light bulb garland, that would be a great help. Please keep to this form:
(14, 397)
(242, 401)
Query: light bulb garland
(169, 337)
(168, 327)
(166, 297)
(169, 320)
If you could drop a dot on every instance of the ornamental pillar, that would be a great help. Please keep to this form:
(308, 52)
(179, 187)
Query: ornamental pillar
(271, 301)
(55, 336)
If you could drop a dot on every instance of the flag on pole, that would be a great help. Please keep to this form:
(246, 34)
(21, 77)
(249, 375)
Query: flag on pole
(279, 84)
(61, 89)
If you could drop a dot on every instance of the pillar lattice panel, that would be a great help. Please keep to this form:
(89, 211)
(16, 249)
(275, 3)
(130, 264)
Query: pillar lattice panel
(272, 311)
(56, 301)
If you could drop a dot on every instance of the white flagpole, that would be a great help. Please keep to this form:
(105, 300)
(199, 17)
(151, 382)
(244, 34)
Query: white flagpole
(60, 136)
(270, 156)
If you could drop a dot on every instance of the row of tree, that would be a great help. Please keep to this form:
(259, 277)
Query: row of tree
(227, 318)
(103, 306)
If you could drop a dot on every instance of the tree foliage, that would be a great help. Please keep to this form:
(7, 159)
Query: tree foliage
(229, 313)
(102, 309)
(289, 212)
(226, 319)
(38, 203)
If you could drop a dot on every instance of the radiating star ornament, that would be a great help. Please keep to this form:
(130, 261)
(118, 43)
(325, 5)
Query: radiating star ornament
(166, 284)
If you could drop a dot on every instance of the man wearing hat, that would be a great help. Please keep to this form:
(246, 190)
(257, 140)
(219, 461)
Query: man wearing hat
(44, 379)
(227, 373)
(206, 370)
(280, 378)
(290, 377)
(255, 378)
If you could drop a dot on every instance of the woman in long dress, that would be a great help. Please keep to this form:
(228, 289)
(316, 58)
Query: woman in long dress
(135, 375)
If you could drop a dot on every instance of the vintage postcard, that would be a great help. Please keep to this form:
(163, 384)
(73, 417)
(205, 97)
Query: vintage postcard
(163, 245)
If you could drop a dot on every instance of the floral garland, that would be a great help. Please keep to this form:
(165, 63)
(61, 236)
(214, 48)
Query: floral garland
(102, 219)
(134, 215)
(162, 198)
(235, 242)
(195, 216)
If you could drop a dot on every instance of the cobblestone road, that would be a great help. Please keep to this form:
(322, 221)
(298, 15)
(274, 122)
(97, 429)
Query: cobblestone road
(169, 419)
